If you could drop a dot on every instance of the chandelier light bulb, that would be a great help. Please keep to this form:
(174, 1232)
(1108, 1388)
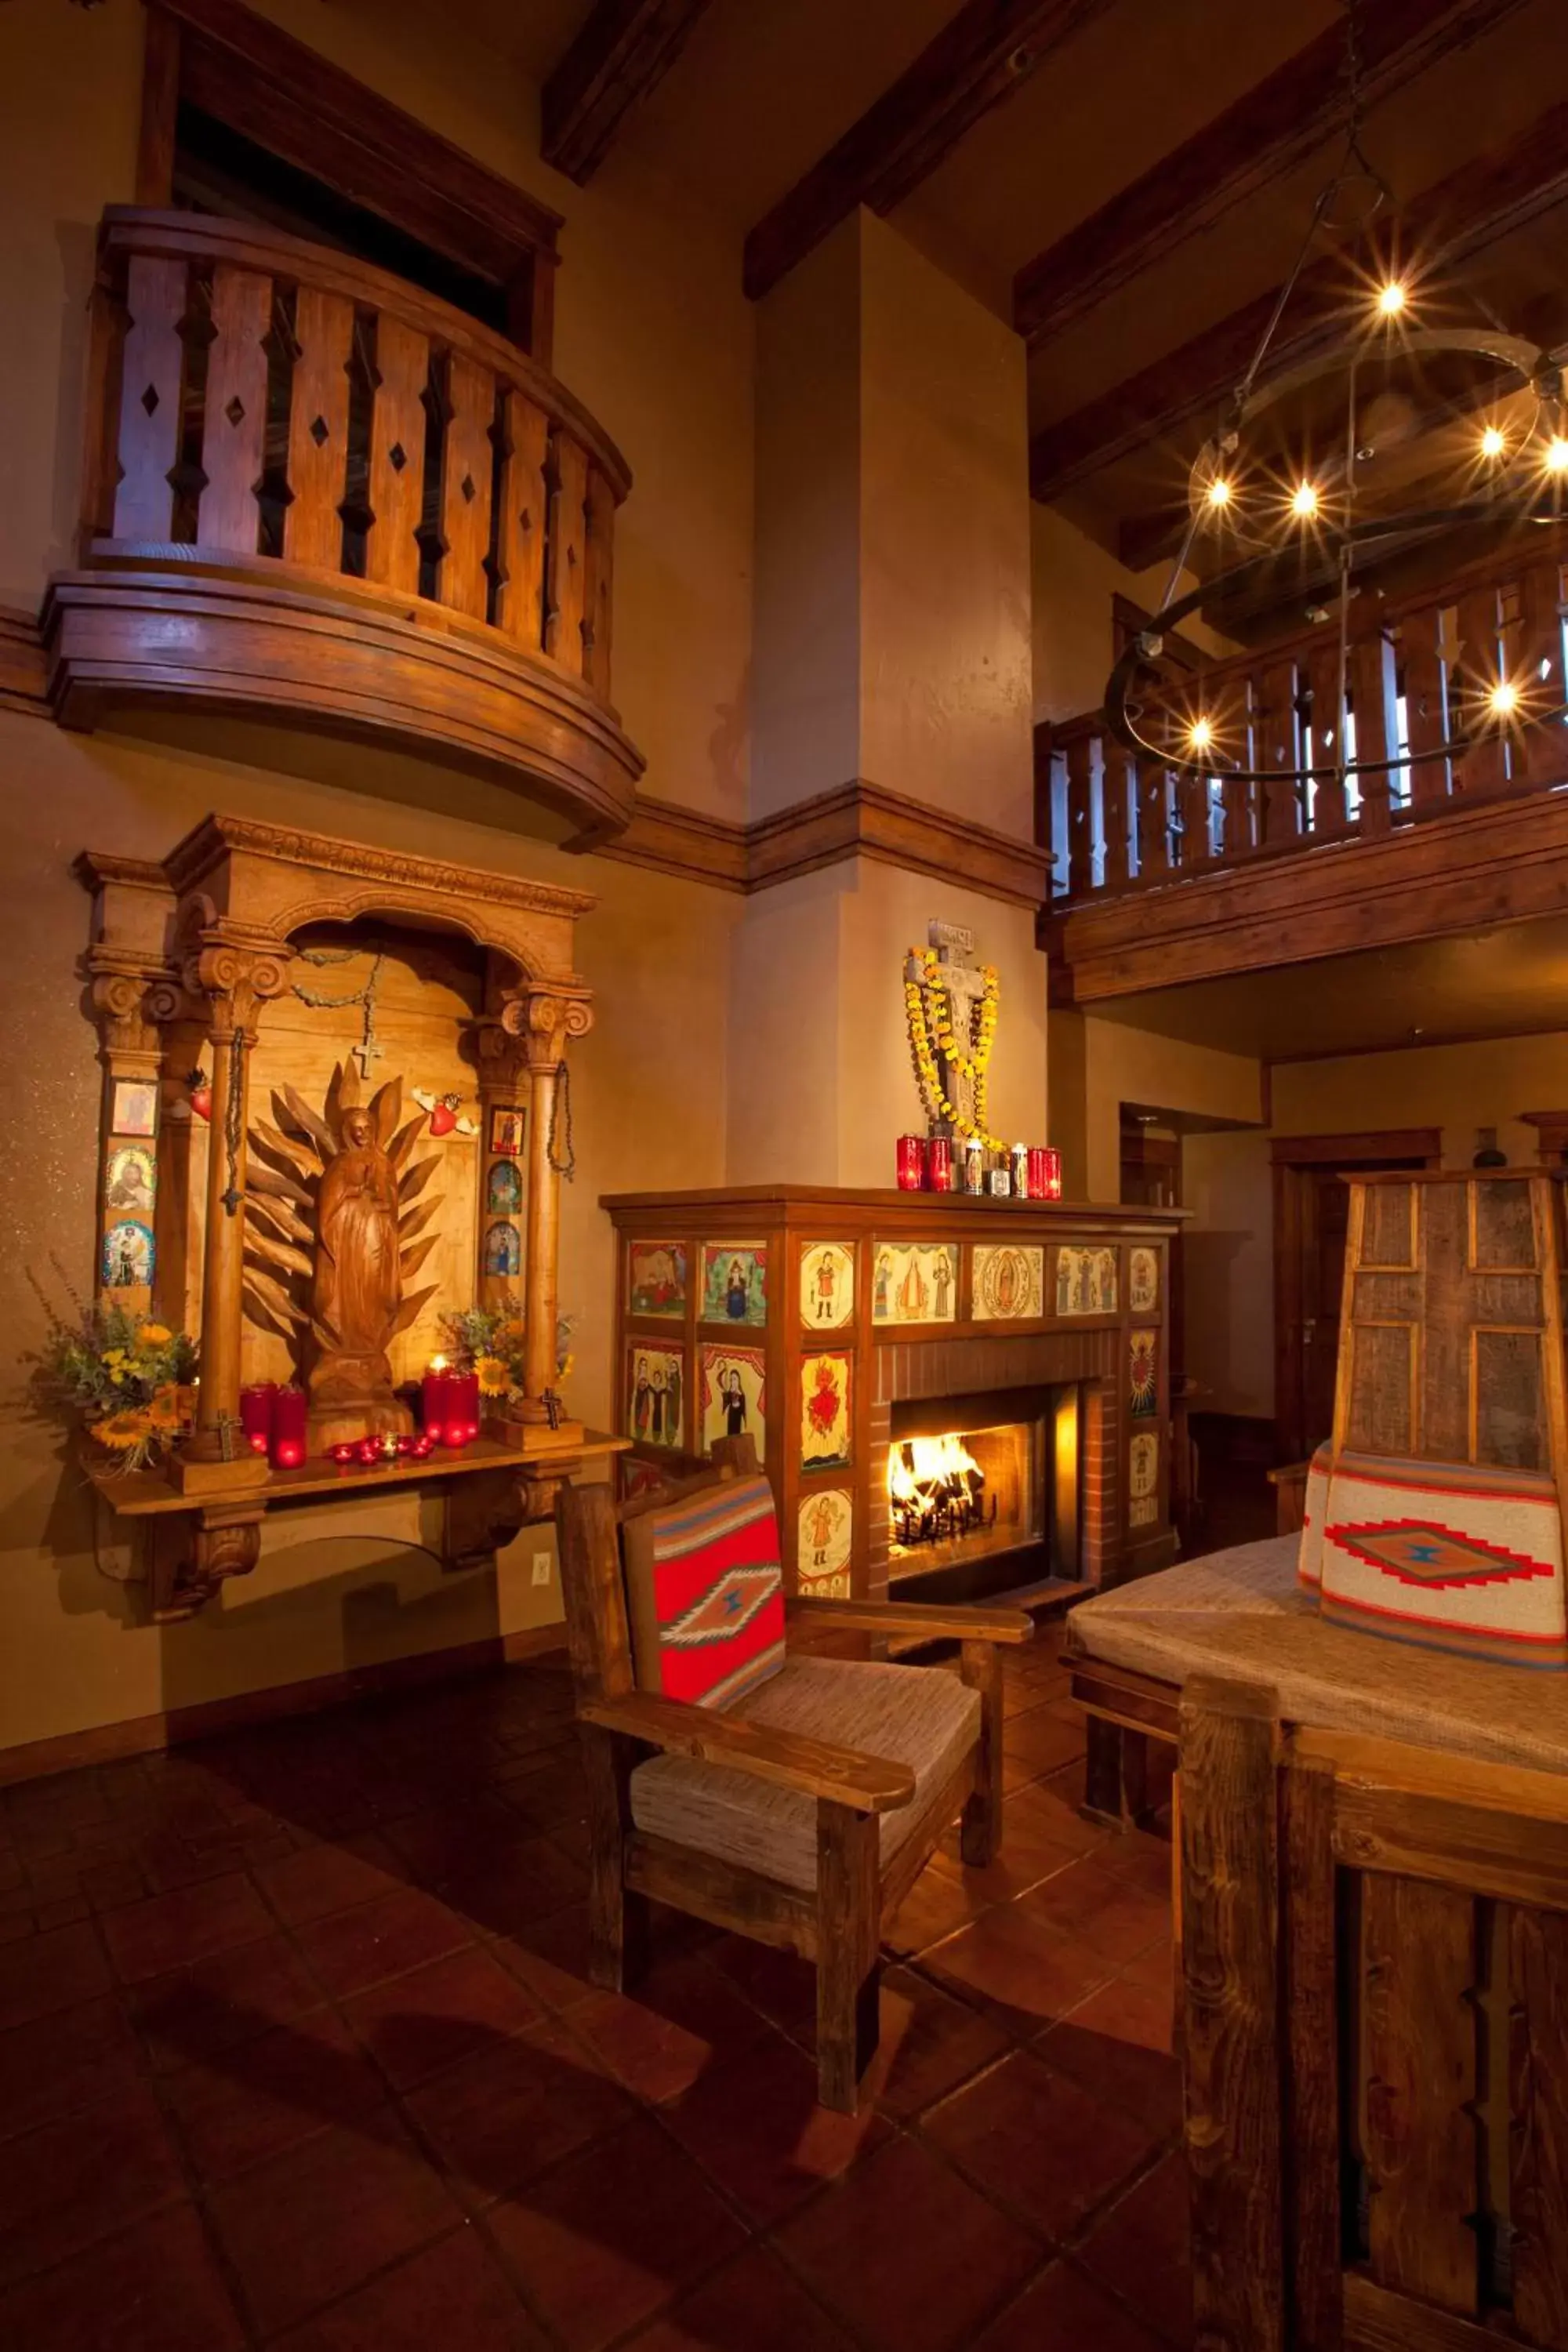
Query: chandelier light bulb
(1493, 441)
(1557, 454)
(1504, 698)
(1304, 501)
(1391, 298)
(1219, 492)
(1200, 734)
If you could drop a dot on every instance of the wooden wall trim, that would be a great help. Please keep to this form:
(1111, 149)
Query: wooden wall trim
(24, 671)
(1468, 868)
(624, 49)
(145, 1734)
(1280, 120)
(1328, 1150)
(854, 820)
(981, 57)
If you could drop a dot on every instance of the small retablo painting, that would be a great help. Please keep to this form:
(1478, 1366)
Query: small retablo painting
(915, 1282)
(828, 1285)
(1143, 1279)
(506, 1130)
(735, 1283)
(134, 1106)
(503, 1189)
(128, 1255)
(503, 1250)
(825, 1410)
(656, 1395)
(1144, 1480)
(827, 1534)
(1085, 1281)
(1142, 1373)
(735, 1396)
(128, 1181)
(1009, 1283)
(656, 1279)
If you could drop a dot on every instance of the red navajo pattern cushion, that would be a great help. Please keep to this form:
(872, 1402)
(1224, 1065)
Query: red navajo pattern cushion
(705, 1589)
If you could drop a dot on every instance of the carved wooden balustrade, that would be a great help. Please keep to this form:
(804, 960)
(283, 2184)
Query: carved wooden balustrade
(318, 490)
(1420, 678)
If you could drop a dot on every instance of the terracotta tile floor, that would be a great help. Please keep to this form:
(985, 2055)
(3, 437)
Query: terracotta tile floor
(297, 2048)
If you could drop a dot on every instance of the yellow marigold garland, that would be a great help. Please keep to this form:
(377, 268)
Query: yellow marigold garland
(973, 1059)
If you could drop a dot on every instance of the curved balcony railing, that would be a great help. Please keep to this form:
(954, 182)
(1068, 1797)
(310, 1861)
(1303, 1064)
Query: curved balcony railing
(363, 505)
(1421, 676)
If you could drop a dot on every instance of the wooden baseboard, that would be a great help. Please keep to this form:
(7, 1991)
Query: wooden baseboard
(111, 1743)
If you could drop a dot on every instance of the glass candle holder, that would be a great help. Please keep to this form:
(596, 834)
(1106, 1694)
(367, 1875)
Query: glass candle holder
(435, 1403)
(939, 1164)
(911, 1163)
(463, 1413)
(288, 1447)
(256, 1414)
(1048, 1174)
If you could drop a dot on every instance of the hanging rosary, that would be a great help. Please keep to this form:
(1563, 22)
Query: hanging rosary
(369, 1048)
(560, 1106)
(233, 1116)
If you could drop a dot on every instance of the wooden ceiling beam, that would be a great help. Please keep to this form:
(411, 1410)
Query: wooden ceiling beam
(980, 57)
(1271, 128)
(624, 49)
(1438, 232)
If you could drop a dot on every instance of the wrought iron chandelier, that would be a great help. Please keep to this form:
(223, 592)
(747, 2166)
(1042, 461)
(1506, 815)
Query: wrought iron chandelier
(1515, 469)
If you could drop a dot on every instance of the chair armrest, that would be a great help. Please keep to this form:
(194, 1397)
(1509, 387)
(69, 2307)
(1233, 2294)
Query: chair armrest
(810, 1766)
(956, 1621)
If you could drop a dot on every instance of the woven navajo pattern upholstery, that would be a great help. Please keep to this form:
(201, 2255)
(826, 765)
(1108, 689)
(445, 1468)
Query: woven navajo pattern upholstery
(705, 1594)
(905, 1714)
(1309, 1563)
(1451, 1556)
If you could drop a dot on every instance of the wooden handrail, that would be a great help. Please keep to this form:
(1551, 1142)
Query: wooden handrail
(1117, 822)
(259, 397)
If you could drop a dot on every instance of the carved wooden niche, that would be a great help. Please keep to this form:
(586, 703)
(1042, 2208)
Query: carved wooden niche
(267, 998)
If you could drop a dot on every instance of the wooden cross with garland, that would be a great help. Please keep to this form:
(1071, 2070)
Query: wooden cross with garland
(951, 1001)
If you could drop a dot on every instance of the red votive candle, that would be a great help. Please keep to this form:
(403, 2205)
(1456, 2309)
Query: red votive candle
(435, 1403)
(256, 1414)
(1045, 1172)
(463, 1423)
(345, 1453)
(287, 1448)
(939, 1164)
(911, 1163)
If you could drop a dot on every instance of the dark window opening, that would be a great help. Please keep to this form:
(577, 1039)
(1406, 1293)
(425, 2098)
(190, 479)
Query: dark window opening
(219, 171)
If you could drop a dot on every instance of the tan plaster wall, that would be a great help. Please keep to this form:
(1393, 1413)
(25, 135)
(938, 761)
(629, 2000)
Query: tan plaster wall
(1458, 1089)
(1132, 1066)
(1074, 580)
(649, 1095)
(1228, 1185)
(653, 334)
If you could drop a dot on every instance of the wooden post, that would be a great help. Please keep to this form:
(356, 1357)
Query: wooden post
(1081, 816)
(1116, 802)
(1372, 699)
(1425, 706)
(235, 980)
(848, 1979)
(1482, 768)
(1329, 810)
(1231, 2025)
(543, 1021)
(979, 1834)
(1313, 2086)
(1277, 745)
(1540, 669)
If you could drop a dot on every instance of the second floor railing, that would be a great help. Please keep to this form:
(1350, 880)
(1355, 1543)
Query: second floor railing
(264, 400)
(1421, 676)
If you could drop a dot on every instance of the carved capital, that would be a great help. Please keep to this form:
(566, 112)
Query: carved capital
(236, 977)
(121, 989)
(543, 1021)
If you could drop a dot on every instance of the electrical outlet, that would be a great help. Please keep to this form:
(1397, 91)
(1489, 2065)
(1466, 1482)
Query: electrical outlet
(542, 1568)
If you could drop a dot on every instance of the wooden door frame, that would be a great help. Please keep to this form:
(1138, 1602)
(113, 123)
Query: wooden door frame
(1295, 1158)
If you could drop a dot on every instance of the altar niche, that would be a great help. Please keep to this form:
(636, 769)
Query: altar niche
(340, 1069)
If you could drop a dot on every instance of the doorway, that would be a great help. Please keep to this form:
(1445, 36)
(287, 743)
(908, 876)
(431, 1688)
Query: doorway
(1311, 1219)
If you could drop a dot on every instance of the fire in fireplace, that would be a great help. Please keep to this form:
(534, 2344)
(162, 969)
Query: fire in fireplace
(983, 1491)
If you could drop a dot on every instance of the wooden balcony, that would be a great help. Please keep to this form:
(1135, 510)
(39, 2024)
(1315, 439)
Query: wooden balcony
(1163, 877)
(320, 495)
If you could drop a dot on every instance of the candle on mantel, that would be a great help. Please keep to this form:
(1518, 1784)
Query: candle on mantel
(435, 1400)
(345, 1453)
(463, 1424)
(288, 1447)
(256, 1414)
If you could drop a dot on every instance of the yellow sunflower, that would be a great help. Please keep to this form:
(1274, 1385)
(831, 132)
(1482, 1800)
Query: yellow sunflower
(154, 1335)
(494, 1378)
(123, 1430)
(164, 1413)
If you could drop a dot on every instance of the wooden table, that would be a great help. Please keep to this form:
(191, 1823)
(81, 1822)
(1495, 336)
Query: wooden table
(491, 1488)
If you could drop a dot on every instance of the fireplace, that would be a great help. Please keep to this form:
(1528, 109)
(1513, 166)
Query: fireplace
(982, 1492)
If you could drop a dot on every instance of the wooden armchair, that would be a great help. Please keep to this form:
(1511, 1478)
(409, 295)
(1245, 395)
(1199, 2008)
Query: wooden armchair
(803, 1838)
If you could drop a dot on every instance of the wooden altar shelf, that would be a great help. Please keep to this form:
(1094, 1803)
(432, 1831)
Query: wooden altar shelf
(492, 1489)
(366, 511)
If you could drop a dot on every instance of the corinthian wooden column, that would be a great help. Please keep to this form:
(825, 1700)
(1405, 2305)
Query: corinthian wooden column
(543, 1020)
(235, 976)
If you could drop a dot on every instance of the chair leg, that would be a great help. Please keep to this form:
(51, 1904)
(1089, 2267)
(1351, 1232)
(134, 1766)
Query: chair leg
(980, 1832)
(618, 1919)
(1115, 1774)
(848, 1968)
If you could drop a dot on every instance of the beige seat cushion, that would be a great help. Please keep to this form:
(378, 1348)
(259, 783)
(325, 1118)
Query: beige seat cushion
(906, 1715)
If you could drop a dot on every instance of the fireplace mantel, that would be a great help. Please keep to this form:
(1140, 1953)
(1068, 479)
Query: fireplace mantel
(921, 1296)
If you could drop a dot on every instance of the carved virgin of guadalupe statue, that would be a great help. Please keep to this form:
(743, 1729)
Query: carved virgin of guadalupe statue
(327, 1196)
